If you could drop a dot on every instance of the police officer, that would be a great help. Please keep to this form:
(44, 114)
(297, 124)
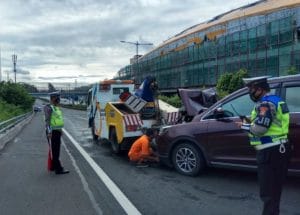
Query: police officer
(268, 131)
(54, 124)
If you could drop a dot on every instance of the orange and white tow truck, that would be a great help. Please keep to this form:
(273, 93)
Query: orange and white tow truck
(98, 96)
(127, 120)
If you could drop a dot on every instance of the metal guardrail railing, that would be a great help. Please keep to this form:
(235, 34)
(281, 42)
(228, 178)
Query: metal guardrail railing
(12, 122)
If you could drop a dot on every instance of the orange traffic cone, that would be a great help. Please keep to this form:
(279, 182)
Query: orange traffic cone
(49, 163)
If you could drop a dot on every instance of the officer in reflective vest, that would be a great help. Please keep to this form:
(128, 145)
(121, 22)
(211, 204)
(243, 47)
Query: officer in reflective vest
(268, 132)
(54, 124)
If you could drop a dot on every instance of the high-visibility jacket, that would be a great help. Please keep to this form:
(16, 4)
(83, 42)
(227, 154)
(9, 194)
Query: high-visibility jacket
(56, 120)
(279, 128)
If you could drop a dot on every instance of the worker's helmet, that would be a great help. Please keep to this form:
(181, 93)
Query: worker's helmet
(149, 132)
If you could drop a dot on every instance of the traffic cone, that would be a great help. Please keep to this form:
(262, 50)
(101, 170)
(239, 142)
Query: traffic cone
(49, 163)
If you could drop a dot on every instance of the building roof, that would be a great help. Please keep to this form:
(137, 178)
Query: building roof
(257, 8)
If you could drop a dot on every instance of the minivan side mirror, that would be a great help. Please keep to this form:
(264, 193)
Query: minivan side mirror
(220, 113)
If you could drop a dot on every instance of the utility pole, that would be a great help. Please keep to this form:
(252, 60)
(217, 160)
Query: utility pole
(0, 67)
(14, 60)
(137, 44)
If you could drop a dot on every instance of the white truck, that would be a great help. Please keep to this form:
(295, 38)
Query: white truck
(121, 122)
(98, 96)
(127, 120)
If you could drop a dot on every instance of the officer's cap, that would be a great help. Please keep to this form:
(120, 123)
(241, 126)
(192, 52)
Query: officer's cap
(261, 81)
(54, 94)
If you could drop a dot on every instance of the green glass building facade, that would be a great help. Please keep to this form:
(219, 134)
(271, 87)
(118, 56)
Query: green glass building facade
(266, 43)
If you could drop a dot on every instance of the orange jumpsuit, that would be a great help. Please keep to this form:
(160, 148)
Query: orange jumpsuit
(140, 148)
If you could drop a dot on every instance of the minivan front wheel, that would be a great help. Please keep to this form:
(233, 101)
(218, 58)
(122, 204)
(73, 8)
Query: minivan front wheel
(187, 159)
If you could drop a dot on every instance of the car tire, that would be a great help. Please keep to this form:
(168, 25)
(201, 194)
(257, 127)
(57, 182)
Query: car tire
(115, 146)
(187, 159)
(94, 136)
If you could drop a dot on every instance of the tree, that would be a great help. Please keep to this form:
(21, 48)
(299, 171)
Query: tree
(230, 82)
(236, 81)
(8, 110)
(172, 100)
(29, 88)
(223, 84)
(16, 94)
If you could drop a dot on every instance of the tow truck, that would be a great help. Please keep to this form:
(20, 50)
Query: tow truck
(120, 114)
(127, 120)
(98, 96)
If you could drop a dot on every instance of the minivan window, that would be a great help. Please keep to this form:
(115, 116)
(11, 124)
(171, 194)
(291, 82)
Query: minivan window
(242, 105)
(292, 99)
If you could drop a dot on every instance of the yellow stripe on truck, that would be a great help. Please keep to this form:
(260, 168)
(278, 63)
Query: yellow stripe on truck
(114, 119)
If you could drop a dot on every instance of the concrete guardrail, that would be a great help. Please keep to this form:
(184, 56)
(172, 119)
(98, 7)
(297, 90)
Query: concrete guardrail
(10, 128)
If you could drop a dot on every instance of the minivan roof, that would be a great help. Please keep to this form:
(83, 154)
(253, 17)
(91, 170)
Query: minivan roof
(286, 78)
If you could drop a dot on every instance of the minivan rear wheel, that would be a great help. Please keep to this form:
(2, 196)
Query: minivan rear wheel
(187, 159)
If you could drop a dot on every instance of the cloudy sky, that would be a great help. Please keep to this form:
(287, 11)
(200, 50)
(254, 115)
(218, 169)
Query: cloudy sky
(79, 40)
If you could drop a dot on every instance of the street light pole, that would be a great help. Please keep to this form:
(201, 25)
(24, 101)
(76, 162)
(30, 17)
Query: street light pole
(137, 44)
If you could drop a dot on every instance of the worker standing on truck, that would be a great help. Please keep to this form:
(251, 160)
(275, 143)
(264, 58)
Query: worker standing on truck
(141, 152)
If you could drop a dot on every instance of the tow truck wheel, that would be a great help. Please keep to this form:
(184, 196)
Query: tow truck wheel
(95, 137)
(113, 141)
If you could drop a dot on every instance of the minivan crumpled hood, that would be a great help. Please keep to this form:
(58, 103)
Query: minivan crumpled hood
(195, 100)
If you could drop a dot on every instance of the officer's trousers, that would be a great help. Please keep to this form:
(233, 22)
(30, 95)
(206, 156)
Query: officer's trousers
(272, 171)
(55, 146)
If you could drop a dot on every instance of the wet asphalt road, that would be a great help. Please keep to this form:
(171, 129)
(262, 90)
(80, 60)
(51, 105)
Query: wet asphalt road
(153, 190)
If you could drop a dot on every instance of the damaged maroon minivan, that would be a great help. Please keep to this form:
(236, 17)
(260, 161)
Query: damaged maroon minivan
(212, 137)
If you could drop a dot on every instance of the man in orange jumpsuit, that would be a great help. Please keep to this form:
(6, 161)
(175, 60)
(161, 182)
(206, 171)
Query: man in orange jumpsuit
(141, 152)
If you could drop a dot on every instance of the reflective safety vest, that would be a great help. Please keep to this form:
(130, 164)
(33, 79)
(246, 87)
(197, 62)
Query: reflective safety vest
(278, 131)
(56, 120)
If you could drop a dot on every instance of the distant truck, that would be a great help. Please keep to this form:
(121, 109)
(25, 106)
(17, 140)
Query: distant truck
(98, 96)
(125, 117)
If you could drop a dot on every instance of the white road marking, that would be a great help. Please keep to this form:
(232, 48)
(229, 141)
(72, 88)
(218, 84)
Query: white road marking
(112, 187)
(84, 182)
(17, 139)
